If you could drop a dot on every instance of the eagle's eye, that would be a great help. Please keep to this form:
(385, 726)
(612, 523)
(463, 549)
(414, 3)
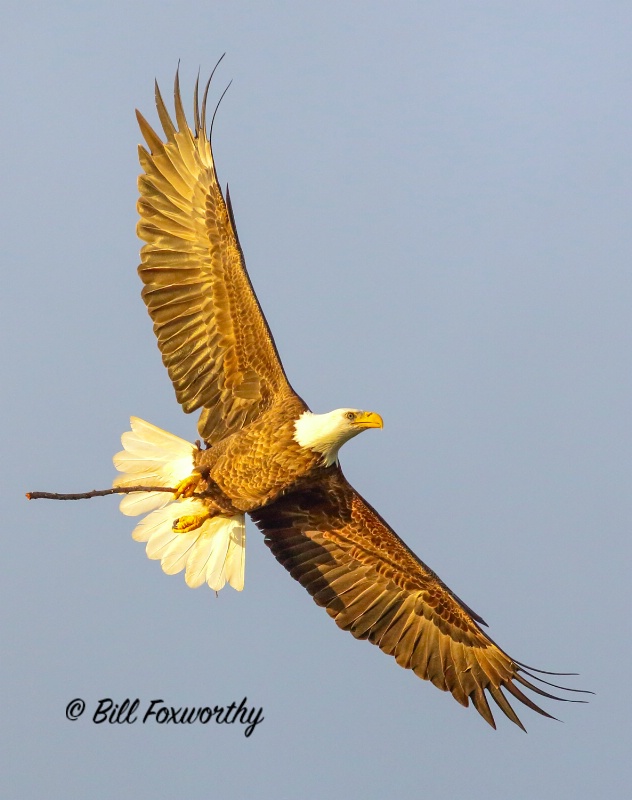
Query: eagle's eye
(350, 416)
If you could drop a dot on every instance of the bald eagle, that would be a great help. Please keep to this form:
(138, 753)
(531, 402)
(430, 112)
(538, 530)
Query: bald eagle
(265, 453)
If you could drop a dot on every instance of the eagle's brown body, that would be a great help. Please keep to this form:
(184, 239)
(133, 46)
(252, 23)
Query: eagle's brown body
(252, 466)
(218, 349)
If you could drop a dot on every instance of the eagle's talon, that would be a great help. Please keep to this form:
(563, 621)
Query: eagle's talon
(189, 522)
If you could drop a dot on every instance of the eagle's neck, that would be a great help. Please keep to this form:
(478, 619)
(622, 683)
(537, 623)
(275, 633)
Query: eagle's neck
(322, 433)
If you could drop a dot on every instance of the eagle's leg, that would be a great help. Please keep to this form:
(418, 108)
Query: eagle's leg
(189, 522)
(215, 502)
(187, 486)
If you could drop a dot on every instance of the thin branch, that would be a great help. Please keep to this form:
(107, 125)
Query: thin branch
(101, 493)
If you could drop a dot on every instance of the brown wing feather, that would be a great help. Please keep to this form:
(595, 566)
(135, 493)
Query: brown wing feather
(360, 571)
(214, 339)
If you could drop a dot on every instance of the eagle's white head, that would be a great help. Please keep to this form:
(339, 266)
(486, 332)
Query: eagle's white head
(326, 433)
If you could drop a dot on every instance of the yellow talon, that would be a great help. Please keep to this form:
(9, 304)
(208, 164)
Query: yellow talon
(189, 522)
(187, 486)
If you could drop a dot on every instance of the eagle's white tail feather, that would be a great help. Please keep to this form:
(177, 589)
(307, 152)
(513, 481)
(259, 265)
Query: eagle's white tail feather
(236, 558)
(132, 505)
(198, 561)
(213, 553)
(218, 563)
(152, 457)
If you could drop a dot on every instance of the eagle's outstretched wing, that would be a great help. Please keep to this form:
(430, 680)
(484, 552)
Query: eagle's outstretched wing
(356, 566)
(214, 339)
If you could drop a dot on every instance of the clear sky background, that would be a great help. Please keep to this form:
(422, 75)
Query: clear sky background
(435, 200)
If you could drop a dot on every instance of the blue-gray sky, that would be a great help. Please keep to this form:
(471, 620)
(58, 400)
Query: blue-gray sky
(434, 200)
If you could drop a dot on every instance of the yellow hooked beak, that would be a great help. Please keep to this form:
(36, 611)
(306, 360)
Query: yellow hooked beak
(367, 419)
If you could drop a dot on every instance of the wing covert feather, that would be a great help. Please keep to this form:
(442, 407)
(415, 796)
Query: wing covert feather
(214, 339)
(372, 584)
